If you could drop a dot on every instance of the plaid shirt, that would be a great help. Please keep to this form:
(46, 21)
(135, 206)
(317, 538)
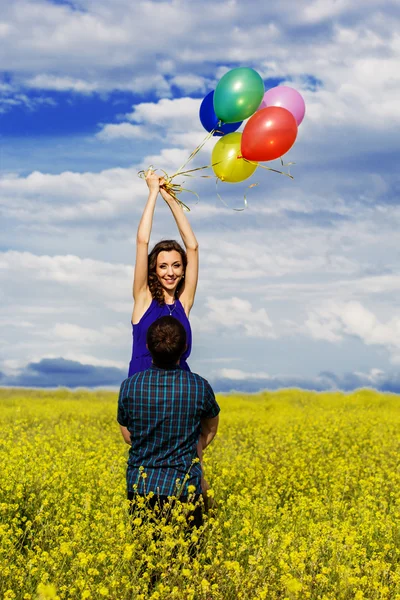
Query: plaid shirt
(162, 409)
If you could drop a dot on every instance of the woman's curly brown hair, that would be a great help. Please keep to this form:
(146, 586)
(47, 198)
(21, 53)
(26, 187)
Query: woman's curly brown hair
(155, 286)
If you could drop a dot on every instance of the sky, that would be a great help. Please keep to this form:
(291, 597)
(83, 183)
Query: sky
(299, 289)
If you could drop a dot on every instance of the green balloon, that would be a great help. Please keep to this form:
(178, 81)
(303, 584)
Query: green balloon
(238, 95)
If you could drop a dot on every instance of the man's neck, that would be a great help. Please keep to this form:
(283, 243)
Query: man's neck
(168, 368)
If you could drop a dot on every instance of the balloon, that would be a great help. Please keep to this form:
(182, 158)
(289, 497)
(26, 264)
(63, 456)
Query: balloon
(229, 166)
(285, 97)
(209, 119)
(269, 134)
(238, 95)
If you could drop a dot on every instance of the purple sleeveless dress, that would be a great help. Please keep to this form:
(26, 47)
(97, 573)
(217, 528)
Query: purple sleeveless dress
(141, 357)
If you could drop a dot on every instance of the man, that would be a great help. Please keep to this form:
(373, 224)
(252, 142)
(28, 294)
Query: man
(167, 415)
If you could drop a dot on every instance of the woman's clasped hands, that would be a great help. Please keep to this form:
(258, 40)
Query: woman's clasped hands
(155, 183)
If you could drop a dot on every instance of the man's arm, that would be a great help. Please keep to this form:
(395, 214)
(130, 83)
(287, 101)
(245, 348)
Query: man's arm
(122, 416)
(209, 428)
(126, 434)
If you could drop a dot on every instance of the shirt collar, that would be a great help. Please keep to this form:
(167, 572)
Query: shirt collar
(174, 368)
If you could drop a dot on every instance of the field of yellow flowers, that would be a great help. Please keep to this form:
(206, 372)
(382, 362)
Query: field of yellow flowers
(307, 491)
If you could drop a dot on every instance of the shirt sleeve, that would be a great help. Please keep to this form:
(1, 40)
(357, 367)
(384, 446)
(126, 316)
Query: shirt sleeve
(211, 408)
(122, 414)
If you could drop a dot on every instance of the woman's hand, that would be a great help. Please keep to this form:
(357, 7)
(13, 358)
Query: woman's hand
(167, 197)
(153, 181)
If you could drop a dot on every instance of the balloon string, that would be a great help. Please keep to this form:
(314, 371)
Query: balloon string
(193, 154)
(270, 168)
(173, 189)
(254, 184)
(227, 205)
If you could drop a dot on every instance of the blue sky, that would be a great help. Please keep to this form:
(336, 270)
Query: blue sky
(299, 289)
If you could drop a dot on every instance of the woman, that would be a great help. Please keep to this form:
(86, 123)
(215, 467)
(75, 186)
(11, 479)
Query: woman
(165, 280)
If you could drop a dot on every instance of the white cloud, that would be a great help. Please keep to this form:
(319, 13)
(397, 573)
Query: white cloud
(90, 359)
(10, 99)
(23, 269)
(170, 159)
(323, 325)
(341, 289)
(238, 375)
(66, 305)
(189, 83)
(232, 379)
(82, 335)
(333, 321)
(167, 113)
(321, 9)
(62, 84)
(175, 122)
(44, 197)
(122, 130)
(237, 315)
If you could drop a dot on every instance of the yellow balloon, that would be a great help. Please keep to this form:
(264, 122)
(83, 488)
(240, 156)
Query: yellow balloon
(226, 164)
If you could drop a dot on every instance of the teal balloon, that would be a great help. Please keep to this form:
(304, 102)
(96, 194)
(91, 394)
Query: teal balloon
(238, 95)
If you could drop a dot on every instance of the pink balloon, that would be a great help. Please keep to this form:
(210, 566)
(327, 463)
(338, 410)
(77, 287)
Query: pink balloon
(285, 97)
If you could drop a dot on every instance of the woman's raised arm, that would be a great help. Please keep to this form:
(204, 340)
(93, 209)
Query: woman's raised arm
(140, 279)
(192, 250)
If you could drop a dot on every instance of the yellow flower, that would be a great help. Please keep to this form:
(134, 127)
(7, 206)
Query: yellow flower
(309, 490)
(294, 585)
(47, 592)
(128, 551)
(205, 585)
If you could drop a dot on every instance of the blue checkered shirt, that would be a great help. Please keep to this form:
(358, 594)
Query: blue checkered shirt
(162, 409)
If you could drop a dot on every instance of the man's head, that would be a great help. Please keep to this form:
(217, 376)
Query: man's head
(166, 340)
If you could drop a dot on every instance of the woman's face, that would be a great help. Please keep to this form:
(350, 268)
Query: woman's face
(169, 269)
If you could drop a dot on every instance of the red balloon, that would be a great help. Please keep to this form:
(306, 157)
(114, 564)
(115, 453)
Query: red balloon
(268, 134)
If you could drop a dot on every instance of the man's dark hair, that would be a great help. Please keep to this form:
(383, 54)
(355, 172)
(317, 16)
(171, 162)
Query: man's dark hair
(166, 341)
